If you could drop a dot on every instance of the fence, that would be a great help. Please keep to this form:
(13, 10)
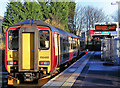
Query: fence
(110, 50)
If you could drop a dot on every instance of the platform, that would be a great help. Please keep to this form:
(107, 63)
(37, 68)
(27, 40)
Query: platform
(88, 71)
(69, 76)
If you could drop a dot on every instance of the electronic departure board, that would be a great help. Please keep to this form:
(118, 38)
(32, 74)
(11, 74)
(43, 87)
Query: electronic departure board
(108, 27)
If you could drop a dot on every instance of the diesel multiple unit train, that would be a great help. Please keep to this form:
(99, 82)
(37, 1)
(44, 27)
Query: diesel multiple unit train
(34, 48)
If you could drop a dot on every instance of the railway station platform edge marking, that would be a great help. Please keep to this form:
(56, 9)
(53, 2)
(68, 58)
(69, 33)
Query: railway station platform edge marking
(70, 81)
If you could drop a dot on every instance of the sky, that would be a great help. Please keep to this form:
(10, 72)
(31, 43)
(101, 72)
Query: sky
(100, 4)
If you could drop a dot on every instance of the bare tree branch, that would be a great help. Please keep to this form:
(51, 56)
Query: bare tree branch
(85, 17)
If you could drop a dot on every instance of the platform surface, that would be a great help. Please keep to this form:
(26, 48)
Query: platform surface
(87, 72)
(69, 76)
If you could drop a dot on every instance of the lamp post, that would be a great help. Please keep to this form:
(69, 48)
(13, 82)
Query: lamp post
(117, 3)
(118, 36)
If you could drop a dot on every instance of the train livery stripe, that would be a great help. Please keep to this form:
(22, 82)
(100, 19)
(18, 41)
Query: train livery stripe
(70, 56)
(6, 50)
(54, 52)
(51, 53)
(14, 27)
(43, 27)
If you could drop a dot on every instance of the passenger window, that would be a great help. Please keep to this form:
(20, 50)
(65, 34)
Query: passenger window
(44, 39)
(61, 43)
(13, 39)
(72, 44)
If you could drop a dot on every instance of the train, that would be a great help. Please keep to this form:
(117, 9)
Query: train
(34, 47)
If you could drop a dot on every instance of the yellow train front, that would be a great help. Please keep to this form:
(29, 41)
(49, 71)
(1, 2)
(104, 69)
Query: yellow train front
(34, 49)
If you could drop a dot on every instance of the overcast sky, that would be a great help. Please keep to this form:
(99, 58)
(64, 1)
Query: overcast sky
(103, 4)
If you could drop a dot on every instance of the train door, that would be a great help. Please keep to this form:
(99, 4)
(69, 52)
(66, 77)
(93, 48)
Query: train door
(28, 51)
(28, 48)
(57, 48)
(58, 45)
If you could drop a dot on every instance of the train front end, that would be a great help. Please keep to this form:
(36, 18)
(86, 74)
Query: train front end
(27, 52)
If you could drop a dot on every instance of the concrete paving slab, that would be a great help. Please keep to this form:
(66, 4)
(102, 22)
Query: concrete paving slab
(69, 76)
(70, 81)
(99, 75)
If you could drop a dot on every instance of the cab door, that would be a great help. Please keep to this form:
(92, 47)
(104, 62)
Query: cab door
(28, 51)
(28, 48)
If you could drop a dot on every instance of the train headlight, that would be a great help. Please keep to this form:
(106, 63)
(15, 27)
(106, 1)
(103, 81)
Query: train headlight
(10, 63)
(44, 63)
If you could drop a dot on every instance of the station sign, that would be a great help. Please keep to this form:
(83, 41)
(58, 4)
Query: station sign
(114, 32)
(92, 32)
(107, 27)
(98, 33)
(105, 32)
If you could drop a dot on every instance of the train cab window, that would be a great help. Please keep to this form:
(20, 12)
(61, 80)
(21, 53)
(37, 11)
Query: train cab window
(44, 39)
(13, 39)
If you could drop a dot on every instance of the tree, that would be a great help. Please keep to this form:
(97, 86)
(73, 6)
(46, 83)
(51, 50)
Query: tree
(57, 13)
(44, 9)
(86, 17)
(9, 15)
(71, 14)
(17, 11)
(32, 10)
(79, 19)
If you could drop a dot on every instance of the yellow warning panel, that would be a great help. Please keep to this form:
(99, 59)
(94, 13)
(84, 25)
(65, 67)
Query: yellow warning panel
(27, 51)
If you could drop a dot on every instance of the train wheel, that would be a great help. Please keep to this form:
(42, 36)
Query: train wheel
(40, 75)
(51, 73)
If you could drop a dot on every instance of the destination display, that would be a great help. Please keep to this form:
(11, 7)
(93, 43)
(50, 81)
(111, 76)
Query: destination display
(110, 27)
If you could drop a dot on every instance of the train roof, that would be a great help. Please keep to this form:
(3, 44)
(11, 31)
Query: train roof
(41, 23)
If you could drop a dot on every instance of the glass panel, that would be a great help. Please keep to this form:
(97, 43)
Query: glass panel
(44, 39)
(13, 39)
